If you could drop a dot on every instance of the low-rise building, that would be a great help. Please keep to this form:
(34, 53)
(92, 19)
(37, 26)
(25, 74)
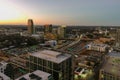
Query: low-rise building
(83, 74)
(51, 43)
(36, 75)
(97, 47)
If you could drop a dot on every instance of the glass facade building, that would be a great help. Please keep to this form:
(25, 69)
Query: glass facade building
(60, 69)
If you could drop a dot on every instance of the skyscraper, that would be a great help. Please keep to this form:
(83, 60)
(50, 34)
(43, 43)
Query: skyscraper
(48, 28)
(30, 26)
(61, 31)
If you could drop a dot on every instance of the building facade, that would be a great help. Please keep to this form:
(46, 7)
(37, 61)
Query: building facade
(48, 28)
(30, 26)
(111, 68)
(61, 31)
(55, 63)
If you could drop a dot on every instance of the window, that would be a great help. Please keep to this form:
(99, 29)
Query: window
(49, 64)
(40, 61)
(40, 67)
(56, 66)
(44, 63)
(35, 59)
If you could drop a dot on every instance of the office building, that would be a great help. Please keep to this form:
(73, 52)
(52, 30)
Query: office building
(61, 31)
(56, 63)
(30, 26)
(111, 68)
(48, 28)
(36, 75)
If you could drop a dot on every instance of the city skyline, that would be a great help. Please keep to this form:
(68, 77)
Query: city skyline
(74, 12)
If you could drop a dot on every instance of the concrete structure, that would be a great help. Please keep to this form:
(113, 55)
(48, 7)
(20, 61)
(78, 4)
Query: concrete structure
(31, 29)
(3, 66)
(56, 63)
(97, 47)
(4, 77)
(36, 75)
(111, 68)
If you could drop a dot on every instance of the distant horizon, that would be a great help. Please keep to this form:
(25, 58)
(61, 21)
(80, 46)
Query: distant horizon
(61, 25)
(63, 12)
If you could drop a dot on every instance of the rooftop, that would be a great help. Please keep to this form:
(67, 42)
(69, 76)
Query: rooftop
(36, 74)
(4, 77)
(112, 65)
(2, 63)
(114, 54)
(98, 44)
(42, 74)
(52, 56)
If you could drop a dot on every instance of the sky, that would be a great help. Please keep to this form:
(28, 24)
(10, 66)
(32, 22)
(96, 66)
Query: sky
(61, 12)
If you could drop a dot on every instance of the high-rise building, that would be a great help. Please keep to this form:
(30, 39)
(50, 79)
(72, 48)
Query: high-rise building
(111, 68)
(48, 28)
(56, 63)
(30, 26)
(61, 31)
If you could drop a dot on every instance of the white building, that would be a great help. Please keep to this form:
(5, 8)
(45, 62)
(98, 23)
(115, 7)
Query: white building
(97, 47)
(52, 43)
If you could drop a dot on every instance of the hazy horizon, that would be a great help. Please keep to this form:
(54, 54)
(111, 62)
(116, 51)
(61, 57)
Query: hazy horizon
(63, 12)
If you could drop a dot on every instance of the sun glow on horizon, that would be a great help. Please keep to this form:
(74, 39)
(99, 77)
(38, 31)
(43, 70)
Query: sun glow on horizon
(9, 14)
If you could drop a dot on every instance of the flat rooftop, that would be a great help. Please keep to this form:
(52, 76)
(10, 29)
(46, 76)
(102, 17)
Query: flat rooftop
(52, 56)
(41, 74)
(114, 54)
(2, 63)
(112, 65)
